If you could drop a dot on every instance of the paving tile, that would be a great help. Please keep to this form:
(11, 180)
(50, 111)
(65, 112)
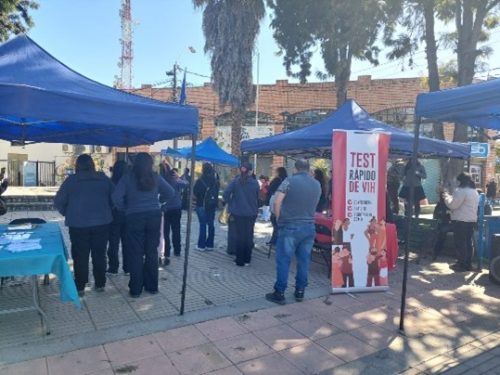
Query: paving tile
(199, 360)
(344, 320)
(311, 358)
(221, 328)
(180, 338)
(257, 320)
(346, 347)
(290, 312)
(131, 350)
(271, 364)
(148, 366)
(243, 348)
(373, 335)
(102, 372)
(314, 328)
(79, 361)
(281, 337)
(33, 367)
(233, 370)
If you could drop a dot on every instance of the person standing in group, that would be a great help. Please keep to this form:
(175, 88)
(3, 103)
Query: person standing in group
(185, 193)
(242, 195)
(206, 192)
(137, 194)
(413, 180)
(172, 212)
(491, 190)
(84, 199)
(294, 207)
(323, 202)
(281, 175)
(463, 206)
(118, 231)
(394, 175)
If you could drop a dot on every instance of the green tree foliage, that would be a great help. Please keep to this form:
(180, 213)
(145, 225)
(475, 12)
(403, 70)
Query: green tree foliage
(14, 17)
(342, 30)
(231, 28)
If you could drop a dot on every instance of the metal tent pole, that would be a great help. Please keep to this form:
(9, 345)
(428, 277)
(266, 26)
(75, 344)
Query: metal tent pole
(409, 213)
(188, 227)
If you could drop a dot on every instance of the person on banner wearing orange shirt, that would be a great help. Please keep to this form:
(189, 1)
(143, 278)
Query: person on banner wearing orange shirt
(346, 267)
(338, 281)
(384, 268)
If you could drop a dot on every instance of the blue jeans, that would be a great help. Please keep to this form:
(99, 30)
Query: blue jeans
(295, 239)
(206, 219)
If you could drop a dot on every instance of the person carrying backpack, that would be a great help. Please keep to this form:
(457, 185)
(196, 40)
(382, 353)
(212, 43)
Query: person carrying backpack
(206, 192)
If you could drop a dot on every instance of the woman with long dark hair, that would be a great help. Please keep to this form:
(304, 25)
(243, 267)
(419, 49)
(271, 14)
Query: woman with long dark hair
(118, 230)
(137, 194)
(320, 177)
(206, 192)
(242, 196)
(84, 199)
(463, 206)
(172, 212)
(281, 175)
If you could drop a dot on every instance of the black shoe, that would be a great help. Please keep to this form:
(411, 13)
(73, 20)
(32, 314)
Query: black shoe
(132, 295)
(112, 272)
(152, 291)
(276, 297)
(166, 261)
(177, 254)
(299, 295)
(99, 289)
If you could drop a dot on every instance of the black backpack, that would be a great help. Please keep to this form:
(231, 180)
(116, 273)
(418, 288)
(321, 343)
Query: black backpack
(211, 197)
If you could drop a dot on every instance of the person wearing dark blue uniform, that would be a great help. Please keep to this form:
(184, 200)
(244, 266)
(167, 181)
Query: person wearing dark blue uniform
(137, 194)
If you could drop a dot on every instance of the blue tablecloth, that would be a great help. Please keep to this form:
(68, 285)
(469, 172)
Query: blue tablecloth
(51, 258)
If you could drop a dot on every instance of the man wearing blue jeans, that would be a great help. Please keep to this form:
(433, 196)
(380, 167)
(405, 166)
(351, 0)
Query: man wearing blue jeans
(294, 208)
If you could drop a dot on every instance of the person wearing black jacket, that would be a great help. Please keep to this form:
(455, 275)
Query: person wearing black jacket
(442, 215)
(281, 175)
(84, 199)
(206, 191)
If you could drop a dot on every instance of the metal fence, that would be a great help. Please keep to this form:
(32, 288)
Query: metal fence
(45, 172)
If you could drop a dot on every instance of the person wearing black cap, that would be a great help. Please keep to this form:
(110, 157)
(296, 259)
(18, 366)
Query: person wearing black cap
(242, 196)
(294, 207)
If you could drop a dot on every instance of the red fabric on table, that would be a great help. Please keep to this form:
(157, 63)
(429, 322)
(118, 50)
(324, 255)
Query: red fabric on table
(392, 245)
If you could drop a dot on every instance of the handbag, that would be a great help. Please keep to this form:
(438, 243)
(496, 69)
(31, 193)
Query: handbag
(224, 216)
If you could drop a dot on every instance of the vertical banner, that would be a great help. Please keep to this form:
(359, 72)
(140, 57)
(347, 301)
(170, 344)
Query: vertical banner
(359, 253)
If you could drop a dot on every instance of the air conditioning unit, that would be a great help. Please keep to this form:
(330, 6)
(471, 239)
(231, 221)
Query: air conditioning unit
(83, 149)
(101, 149)
(65, 148)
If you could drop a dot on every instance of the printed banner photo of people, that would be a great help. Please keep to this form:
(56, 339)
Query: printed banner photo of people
(359, 252)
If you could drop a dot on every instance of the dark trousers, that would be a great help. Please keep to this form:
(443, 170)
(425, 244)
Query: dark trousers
(373, 279)
(416, 208)
(206, 217)
(172, 222)
(84, 242)
(442, 232)
(274, 236)
(143, 237)
(462, 233)
(392, 191)
(348, 280)
(244, 226)
(117, 233)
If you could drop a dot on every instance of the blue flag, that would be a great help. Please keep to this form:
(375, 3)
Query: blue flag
(182, 97)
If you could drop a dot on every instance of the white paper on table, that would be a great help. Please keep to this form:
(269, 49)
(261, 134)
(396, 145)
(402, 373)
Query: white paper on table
(26, 226)
(24, 245)
(10, 237)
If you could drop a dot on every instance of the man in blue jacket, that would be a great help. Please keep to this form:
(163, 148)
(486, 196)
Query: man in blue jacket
(242, 195)
(294, 207)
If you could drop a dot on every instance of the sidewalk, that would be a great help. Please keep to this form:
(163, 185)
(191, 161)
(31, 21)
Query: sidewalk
(451, 325)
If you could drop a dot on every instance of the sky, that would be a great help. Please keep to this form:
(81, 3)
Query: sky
(84, 34)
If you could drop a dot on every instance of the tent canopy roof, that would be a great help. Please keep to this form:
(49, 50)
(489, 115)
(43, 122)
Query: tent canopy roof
(316, 140)
(42, 100)
(208, 150)
(476, 105)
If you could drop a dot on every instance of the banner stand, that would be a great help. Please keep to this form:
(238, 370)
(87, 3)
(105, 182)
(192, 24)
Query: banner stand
(359, 250)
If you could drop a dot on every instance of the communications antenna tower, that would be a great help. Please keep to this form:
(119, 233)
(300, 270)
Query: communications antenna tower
(124, 81)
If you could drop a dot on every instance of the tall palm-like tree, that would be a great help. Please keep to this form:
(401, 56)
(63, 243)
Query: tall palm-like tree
(231, 28)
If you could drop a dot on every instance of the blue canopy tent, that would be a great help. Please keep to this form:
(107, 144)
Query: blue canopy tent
(208, 150)
(43, 100)
(316, 140)
(476, 105)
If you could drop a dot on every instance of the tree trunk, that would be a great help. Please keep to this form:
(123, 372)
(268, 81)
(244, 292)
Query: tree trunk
(236, 127)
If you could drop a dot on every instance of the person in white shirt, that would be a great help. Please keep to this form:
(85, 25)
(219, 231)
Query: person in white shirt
(463, 206)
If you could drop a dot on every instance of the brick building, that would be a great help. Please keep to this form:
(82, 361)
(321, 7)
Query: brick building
(286, 106)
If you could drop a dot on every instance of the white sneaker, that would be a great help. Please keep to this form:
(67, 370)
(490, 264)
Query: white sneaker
(200, 248)
(209, 249)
